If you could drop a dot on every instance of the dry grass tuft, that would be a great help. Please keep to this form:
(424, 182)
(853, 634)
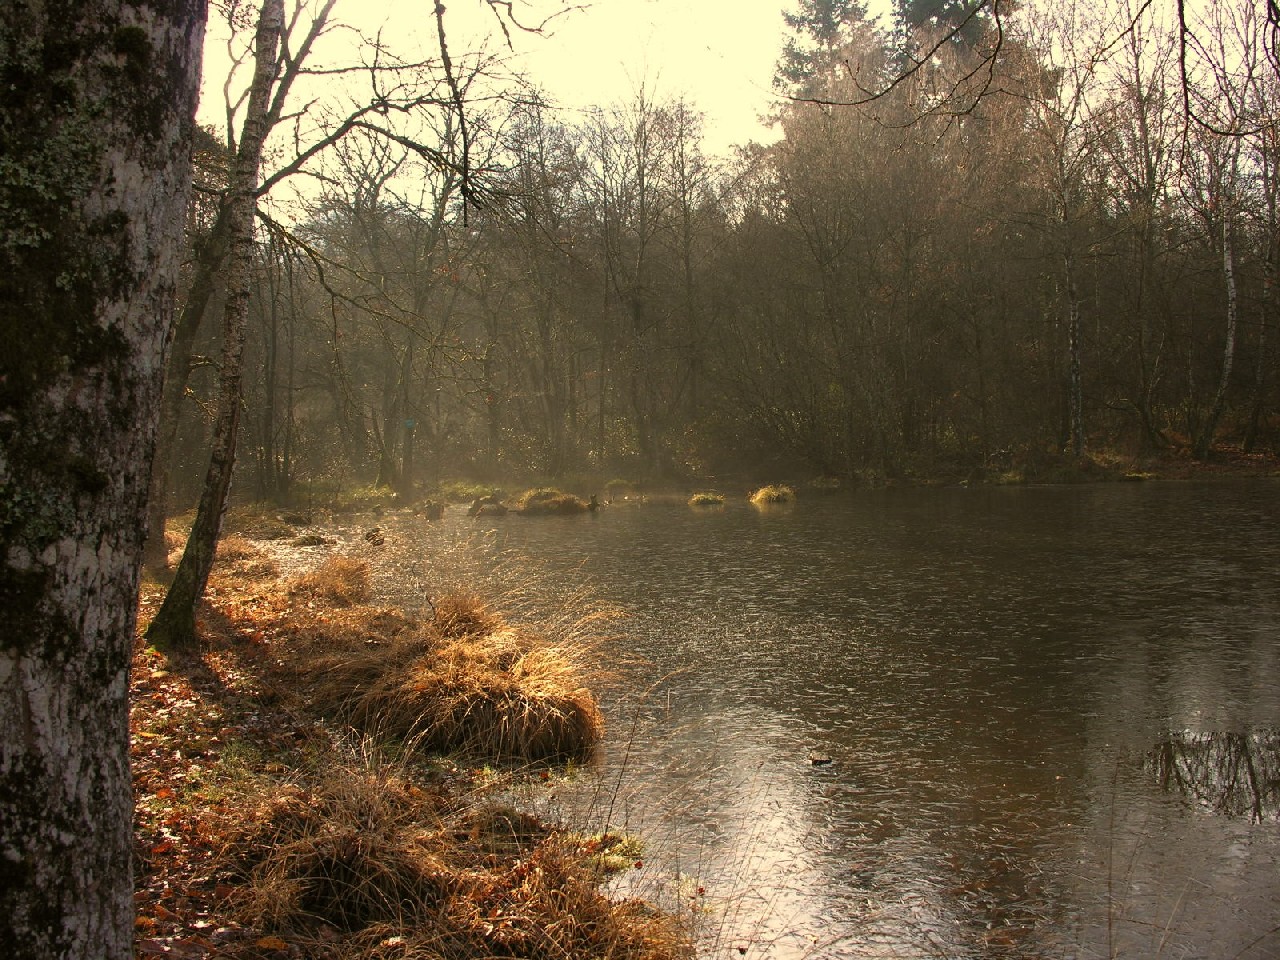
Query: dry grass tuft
(299, 845)
(545, 501)
(236, 547)
(464, 614)
(775, 493)
(242, 559)
(373, 865)
(351, 850)
(508, 696)
(256, 521)
(705, 499)
(341, 580)
(502, 696)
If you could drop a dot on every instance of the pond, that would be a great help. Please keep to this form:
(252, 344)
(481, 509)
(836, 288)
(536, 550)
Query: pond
(990, 722)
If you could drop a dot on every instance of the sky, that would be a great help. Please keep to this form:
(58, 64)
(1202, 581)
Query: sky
(719, 54)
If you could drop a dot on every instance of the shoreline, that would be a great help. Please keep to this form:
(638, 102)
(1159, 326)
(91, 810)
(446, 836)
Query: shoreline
(275, 819)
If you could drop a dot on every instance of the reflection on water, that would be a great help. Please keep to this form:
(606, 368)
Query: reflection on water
(988, 670)
(1236, 774)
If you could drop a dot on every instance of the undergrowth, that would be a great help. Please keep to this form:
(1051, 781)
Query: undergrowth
(318, 781)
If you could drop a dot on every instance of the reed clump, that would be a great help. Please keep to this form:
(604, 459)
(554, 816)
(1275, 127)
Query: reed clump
(775, 493)
(348, 840)
(465, 682)
(340, 580)
(241, 557)
(547, 500)
(705, 499)
(372, 864)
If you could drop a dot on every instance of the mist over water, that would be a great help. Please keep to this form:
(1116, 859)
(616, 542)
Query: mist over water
(1051, 717)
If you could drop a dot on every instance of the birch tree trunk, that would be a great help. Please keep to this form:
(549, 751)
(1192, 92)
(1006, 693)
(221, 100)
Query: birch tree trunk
(1075, 391)
(1204, 442)
(209, 259)
(96, 117)
(174, 624)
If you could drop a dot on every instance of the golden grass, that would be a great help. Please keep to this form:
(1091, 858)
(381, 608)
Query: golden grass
(464, 614)
(374, 865)
(340, 580)
(707, 500)
(775, 493)
(545, 500)
(324, 849)
(466, 683)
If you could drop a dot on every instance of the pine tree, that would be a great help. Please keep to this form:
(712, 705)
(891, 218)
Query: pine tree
(965, 20)
(818, 28)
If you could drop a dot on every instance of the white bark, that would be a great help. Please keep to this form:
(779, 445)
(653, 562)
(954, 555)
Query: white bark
(174, 624)
(97, 122)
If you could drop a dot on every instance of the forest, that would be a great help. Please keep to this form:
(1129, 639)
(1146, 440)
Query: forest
(989, 238)
(994, 240)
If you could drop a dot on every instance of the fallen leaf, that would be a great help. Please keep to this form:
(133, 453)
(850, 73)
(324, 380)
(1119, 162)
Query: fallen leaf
(270, 943)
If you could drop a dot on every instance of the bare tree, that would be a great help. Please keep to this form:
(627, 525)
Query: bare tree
(174, 623)
(397, 89)
(1231, 58)
(1070, 117)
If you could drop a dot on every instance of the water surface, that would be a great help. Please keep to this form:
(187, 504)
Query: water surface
(1051, 717)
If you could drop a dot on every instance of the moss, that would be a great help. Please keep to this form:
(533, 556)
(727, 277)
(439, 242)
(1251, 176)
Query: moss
(612, 852)
(134, 46)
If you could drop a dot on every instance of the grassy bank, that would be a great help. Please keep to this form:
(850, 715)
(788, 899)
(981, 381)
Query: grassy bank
(317, 780)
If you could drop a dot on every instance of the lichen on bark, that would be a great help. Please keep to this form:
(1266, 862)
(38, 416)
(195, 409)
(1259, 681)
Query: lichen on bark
(96, 109)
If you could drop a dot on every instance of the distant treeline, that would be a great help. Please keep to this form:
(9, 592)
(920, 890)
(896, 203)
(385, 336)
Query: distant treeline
(978, 242)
